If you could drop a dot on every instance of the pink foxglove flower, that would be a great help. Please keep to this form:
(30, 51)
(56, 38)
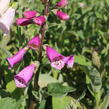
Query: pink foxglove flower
(40, 20)
(35, 42)
(23, 21)
(24, 76)
(30, 14)
(17, 57)
(7, 19)
(62, 15)
(62, 3)
(4, 5)
(57, 60)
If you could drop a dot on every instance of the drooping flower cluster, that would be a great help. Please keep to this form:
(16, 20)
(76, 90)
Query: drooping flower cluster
(7, 15)
(57, 60)
(31, 17)
(22, 78)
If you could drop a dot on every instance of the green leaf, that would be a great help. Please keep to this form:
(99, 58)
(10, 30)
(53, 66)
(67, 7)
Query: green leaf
(42, 104)
(4, 93)
(45, 79)
(107, 1)
(66, 102)
(11, 86)
(105, 103)
(57, 89)
(60, 102)
(79, 59)
(8, 103)
(93, 79)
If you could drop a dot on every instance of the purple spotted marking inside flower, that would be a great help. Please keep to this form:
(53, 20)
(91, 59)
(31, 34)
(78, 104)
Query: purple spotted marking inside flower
(57, 60)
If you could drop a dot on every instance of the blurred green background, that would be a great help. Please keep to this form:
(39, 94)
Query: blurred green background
(85, 35)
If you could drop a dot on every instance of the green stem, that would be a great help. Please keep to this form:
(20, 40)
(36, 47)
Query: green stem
(34, 102)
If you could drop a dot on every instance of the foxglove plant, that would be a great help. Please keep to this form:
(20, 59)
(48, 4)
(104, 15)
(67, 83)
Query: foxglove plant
(57, 60)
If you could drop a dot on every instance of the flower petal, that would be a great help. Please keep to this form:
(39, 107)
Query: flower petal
(40, 20)
(70, 61)
(24, 76)
(6, 20)
(52, 53)
(58, 64)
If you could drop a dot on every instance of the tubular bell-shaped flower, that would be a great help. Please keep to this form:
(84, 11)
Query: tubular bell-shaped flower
(17, 57)
(4, 4)
(30, 14)
(6, 20)
(24, 76)
(62, 15)
(62, 3)
(57, 60)
(40, 20)
(35, 43)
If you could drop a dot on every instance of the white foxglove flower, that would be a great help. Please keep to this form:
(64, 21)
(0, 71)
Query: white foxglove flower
(6, 20)
(4, 5)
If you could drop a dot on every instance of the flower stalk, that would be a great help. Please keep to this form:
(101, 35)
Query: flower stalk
(34, 102)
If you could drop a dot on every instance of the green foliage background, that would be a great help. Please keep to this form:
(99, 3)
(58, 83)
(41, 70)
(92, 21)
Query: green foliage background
(85, 35)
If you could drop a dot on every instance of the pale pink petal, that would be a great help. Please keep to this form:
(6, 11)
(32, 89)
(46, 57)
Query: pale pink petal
(70, 61)
(6, 20)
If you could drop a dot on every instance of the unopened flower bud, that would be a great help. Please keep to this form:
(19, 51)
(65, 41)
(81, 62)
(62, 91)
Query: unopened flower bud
(62, 15)
(62, 3)
(30, 14)
(23, 21)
